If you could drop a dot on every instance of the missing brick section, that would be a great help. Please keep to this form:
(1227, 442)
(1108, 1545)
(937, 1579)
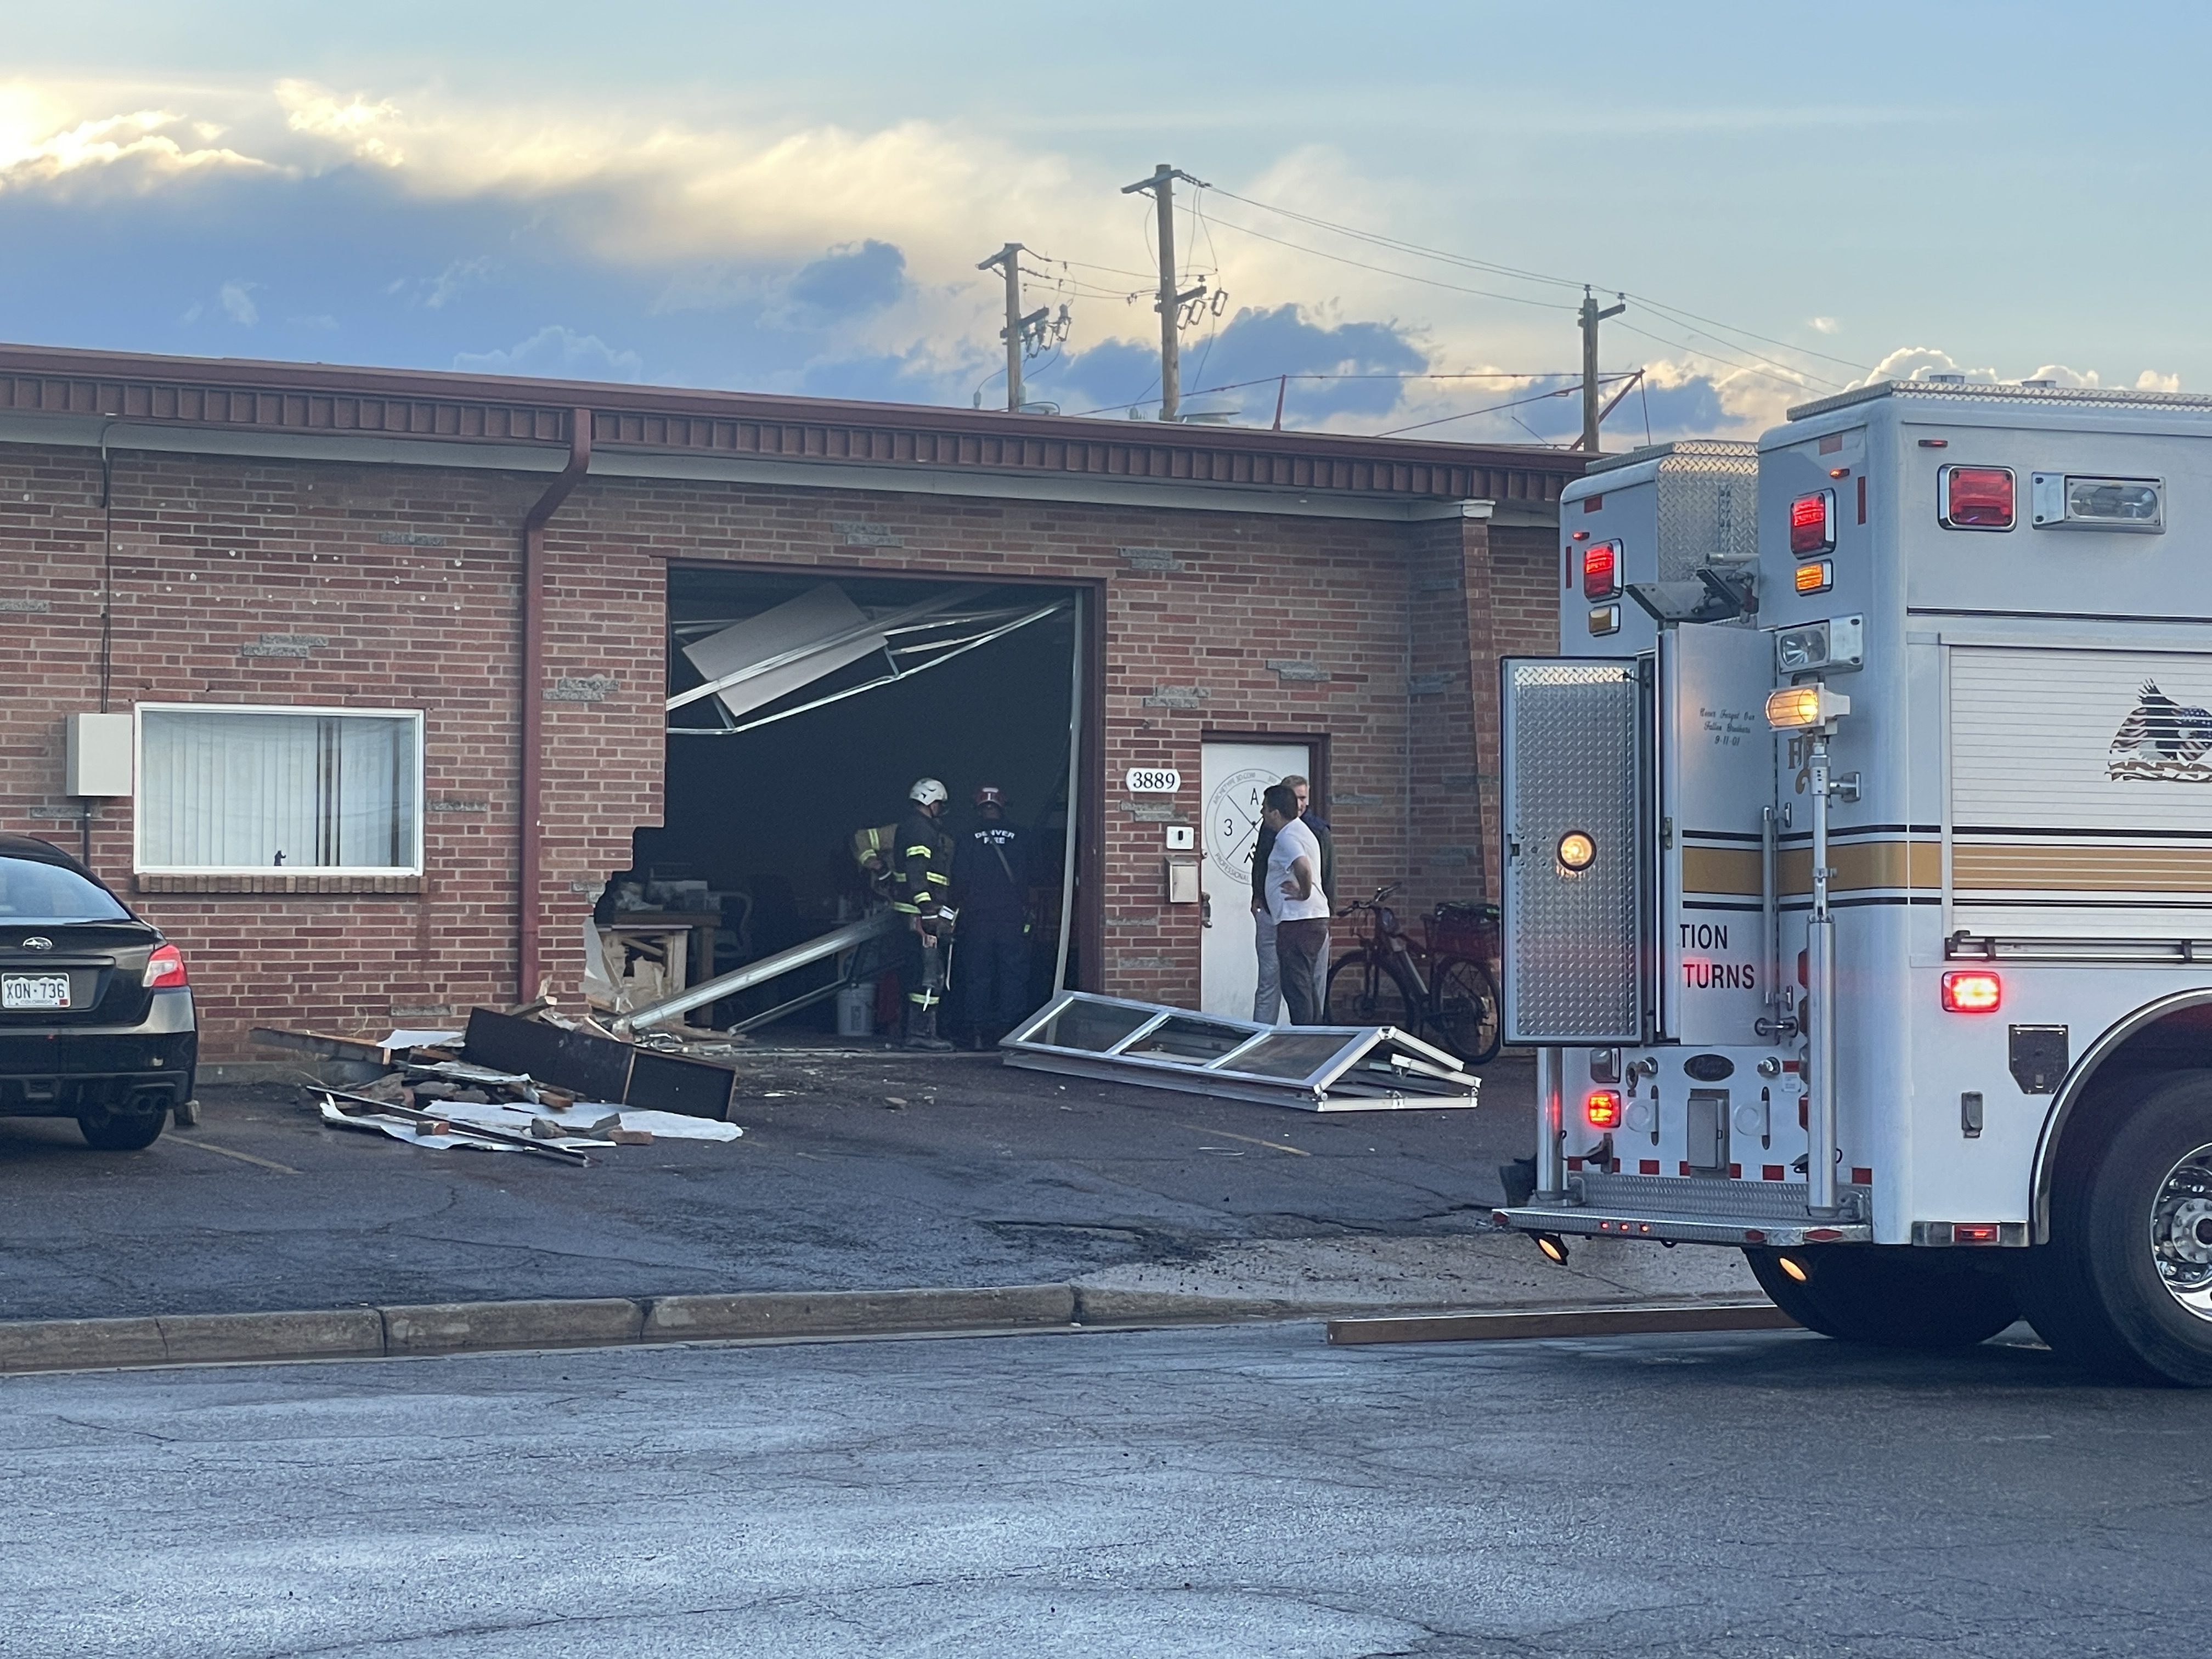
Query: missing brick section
(855, 533)
(593, 688)
(1178, 697)
(298, 645)
(410, 538)
(1308, 672)
(1151, 559)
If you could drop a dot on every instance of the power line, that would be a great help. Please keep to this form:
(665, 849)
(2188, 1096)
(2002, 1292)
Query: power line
(1487, 409)
(1676, 313)
(1402, 275)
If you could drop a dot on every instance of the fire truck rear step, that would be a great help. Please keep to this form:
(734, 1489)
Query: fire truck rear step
(1694, 1210)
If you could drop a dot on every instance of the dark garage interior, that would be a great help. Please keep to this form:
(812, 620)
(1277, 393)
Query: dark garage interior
(972, 682)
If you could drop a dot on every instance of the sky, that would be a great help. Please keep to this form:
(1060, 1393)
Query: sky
(1402, 201)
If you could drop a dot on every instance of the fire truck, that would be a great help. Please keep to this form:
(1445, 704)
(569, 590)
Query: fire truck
(1858, 883)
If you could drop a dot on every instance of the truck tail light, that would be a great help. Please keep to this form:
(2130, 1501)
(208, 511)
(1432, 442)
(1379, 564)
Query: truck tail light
(1975, 497)
(1602, 570)
(1975, 1232)
(1812, 523)
(1602, 1108)
(1974, 992)
(165, 968)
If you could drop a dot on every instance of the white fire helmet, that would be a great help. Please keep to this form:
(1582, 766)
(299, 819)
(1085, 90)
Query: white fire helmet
(928, 792)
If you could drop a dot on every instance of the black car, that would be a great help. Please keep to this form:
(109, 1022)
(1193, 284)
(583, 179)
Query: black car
(95, 1016)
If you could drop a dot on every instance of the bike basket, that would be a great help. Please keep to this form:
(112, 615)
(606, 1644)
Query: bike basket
(1463, 930)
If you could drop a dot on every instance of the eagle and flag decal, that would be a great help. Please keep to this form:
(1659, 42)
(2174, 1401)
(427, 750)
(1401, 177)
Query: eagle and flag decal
(2162, 740)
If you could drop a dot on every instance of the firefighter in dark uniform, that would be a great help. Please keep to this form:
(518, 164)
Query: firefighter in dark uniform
(990, 877)
(921, 883)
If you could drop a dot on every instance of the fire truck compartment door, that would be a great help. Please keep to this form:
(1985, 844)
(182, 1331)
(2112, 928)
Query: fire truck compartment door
(2081, 793)
(1715, 779)
(1575, 878)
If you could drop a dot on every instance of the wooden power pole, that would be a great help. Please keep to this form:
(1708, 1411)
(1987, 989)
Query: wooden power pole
(1172, 300)
(1009, 258)
(1590, 317)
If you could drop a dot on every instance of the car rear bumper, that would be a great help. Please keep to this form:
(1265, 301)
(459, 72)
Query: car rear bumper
(62, 1070)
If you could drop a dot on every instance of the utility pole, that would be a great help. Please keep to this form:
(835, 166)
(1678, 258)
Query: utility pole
(1590, 317)
(1171, 301)
(1009, 258)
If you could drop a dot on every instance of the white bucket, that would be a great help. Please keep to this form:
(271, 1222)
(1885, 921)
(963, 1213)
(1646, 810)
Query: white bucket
(856, 1010)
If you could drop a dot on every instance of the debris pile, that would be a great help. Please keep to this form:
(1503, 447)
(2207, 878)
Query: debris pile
(544, 1086)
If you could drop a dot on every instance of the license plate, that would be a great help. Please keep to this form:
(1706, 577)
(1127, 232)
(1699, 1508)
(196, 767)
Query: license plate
(35, 990)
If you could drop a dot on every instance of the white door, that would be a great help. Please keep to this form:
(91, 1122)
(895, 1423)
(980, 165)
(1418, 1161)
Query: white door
(1233, 776)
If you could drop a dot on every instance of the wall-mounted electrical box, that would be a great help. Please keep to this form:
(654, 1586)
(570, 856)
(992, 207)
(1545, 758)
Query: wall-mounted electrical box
(97, 754)
(1182, 882)
(1182, 837)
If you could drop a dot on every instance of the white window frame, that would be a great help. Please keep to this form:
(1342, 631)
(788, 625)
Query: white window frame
(317, 710)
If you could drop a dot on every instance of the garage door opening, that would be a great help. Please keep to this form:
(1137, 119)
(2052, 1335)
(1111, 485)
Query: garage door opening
(802, 706)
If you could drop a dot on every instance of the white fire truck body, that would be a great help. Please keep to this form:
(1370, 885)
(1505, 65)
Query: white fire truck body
(1981, 617)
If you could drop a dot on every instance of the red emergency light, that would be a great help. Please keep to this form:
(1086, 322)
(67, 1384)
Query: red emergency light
(1602, 1108)
(1602, 570)
(1812, 523)
(1972, 992)
(1976, 498)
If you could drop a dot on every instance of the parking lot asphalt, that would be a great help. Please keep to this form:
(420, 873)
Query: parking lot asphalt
(862, 1171)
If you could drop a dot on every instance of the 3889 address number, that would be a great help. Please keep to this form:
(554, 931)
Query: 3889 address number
(1154, 780)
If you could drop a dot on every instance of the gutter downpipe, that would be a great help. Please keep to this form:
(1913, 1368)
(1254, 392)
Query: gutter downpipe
(531, 770)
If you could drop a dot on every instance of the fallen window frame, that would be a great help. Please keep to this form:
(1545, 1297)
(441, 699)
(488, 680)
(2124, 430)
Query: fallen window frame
(1371, 1068)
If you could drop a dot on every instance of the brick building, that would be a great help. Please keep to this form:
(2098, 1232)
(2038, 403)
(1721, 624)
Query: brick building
(472, 578)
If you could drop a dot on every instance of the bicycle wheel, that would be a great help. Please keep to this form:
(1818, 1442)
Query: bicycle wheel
(1467, 1010)
(1361, 993)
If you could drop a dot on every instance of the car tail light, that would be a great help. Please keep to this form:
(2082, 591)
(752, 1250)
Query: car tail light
(1602, 1108)
(1602, 570)
(165, 968)
(1972, 992)
(1975, 497)
(1812, 523)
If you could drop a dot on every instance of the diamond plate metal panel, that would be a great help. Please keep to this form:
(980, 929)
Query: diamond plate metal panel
(1572, 955)
(1708, 507)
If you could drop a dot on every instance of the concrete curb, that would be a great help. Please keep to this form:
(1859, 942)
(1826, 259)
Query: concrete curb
(1526, 1325)
(458, 1328)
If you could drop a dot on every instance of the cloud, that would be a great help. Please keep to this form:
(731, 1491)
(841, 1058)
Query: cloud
(1823, 325)
(556, 352)
(1347, 369)
(1918, 362)
(434, 292)
(354, 124)
(136, 143)
(237, 298)
(846, 281)
(2151, 381)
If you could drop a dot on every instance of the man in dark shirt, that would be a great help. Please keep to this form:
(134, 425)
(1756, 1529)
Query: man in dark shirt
(990, 883)
(1268, 997)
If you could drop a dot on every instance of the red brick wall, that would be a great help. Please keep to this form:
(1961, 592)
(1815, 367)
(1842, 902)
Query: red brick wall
(210, 554)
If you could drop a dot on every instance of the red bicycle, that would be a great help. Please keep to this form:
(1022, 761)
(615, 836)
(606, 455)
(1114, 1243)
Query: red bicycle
(1438, 985)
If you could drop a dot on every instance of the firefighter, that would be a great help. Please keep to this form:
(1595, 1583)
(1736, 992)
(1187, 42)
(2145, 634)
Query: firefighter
(921, 880)
(990, 879)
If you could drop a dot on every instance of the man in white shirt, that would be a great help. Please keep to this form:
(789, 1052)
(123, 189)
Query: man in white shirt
(1298, 903)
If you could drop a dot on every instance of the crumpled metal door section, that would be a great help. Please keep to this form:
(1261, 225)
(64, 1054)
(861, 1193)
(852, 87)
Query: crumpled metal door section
(1314, 1068)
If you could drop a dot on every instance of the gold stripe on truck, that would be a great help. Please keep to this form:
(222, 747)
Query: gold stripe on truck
(1860, 866)
(2077, 868)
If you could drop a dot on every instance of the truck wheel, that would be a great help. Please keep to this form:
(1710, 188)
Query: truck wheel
(2124, 1286)
(118, 1129)
(1892, 1296)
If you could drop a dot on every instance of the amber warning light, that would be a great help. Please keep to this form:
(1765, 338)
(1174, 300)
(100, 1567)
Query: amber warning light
(1973, 993)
